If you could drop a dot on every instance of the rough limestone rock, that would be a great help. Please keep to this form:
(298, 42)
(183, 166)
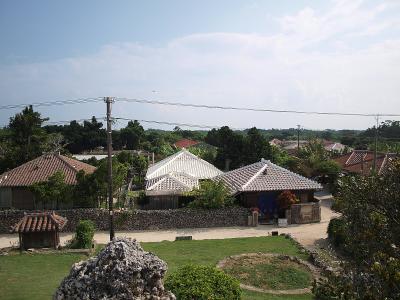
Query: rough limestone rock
(122, 270)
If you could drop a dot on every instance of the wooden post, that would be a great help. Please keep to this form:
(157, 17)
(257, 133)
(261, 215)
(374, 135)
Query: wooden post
(20, 242)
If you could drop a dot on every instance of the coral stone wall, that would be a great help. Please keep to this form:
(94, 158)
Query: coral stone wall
(142, 219)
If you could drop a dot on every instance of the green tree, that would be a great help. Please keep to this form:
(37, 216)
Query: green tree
(132, 135)
(91, 189)
(371, 238)
(23, 140)
(315, 162)
(256, 147)
(54, 190)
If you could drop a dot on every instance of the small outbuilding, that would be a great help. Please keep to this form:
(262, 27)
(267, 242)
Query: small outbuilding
(39, 230)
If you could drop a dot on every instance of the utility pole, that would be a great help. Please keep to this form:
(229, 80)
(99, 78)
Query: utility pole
(298, 139)
(376, 142)
(108, 101)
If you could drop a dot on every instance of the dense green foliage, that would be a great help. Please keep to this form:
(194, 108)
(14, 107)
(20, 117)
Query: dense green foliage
(91, 189)
(23, 139)
(202, 283)
(53, 191)
(337, 232)
(211, 194)
(236, 149)
(84, 234)
(369, 206)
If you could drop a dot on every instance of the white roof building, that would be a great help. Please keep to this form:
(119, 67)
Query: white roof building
(178, 173)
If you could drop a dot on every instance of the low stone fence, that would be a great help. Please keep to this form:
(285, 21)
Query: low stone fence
(142, 219)
(304, 213)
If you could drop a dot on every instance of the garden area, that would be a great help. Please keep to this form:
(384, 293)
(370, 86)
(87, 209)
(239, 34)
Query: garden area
(36, 276)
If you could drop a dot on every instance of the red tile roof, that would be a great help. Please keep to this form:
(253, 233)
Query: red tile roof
(361, 161)
(41, 168)
(39, 222)
(185, 143)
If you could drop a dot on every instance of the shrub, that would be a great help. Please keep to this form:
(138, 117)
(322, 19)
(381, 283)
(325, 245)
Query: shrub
(202, 283)
(285, 201)
(142, 199)
(337, 232)
(84, 234)
(211, 194)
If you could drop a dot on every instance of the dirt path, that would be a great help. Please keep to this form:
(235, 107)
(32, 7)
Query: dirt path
(306, 234)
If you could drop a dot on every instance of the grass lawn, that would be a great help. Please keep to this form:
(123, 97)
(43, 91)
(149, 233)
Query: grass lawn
(269, 272)
(36, 276)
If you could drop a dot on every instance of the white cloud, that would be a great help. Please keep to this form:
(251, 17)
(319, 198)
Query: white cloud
(310, 64)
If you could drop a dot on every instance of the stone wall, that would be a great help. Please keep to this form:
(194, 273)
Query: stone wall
(303, 213)
(142, 219)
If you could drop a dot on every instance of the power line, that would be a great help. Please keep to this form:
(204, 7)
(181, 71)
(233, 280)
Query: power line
(69, 121)
(52, 103)
(193, 105)
(143, 101)
(172, 123)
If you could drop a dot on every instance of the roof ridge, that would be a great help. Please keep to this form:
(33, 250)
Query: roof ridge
(61, 157)
(240, 168)
(201, 160)
(157, 183)
(254, 176)
(165, 178)
(287, 170)
(174, 157)
(351, 155)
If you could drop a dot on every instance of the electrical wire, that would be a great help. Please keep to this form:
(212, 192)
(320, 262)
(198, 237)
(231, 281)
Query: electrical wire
(180, 104)
(170, 123)
(52, 103)
(193, 105)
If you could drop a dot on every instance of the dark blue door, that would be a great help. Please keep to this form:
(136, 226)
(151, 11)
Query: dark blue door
(267, 204)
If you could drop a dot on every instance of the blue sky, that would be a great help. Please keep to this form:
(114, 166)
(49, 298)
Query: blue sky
(306, 55)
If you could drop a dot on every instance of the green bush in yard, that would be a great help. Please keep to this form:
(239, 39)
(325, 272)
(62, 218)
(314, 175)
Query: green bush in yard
(210, 195)
(337, 232)
(203, 283)
(84, 234)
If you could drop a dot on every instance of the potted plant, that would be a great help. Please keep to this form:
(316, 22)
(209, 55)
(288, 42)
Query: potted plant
(285, 201)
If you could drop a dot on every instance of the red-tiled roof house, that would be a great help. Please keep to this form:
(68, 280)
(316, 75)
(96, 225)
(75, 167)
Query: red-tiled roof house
(39, 230)
(14, 184)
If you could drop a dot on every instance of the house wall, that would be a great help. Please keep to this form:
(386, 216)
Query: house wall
(160, 202)
(5, 198)
(39, 239)
(22, 198)
(250, 199)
